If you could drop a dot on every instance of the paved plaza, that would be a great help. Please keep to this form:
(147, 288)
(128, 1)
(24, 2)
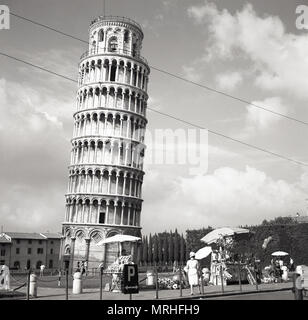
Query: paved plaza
(210, 292)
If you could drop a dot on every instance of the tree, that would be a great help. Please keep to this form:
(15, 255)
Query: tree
(145, 250)
(193, 239)
(139, 253)
(280, 220)
(155, 249)
(176, 252)
(150, 250)
(165, 249)
(170, 247)
(182, 249)
(160, 249)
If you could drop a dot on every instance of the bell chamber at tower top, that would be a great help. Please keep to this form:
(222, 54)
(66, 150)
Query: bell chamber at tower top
(116, 35)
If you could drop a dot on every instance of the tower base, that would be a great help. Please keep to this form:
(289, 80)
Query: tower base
(80, 245)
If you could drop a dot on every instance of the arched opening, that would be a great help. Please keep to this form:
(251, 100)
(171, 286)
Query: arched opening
(106, 69)
(87, 211)
(101, 35)
(126, 36)
(121, 181)
(119, 98)
(125, 215)
(113, 180)
(97, 178)
(102, 217)
(16, 265)
(105, 182)
(93, 46)
(121, 71)
(38, 264)
(113, 44)
(131, 217)
(111, 212)
(118, 213)
(94, 212)
(113, 71)
(134, 53)
(102, 214)
(79, 250)
(79, 211)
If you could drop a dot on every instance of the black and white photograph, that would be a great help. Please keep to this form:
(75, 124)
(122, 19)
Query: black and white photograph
(153, 153)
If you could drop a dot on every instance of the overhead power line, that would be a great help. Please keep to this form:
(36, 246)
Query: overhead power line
(229, 96)
(37, 67)
(208, 88)
(168, 115)
(47, 27)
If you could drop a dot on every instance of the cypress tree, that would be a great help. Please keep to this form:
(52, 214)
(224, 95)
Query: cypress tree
(170, 247)
(150, 250)
(145, 250)
(165, 245)
(139, 253)
(160, 250)
(155, 249)
(176, 246)
(182, 249)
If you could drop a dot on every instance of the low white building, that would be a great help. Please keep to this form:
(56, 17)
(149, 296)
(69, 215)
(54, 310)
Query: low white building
(21, 251)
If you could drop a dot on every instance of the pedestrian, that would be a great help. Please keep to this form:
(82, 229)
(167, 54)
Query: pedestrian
(175, 267)
(277, 271)
(86, 267)
(82, 267)
(192, 267)
(206, 276)
(78, 267)
(42, 267)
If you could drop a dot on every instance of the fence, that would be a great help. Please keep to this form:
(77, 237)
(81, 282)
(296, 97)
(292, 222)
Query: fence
(153, 281)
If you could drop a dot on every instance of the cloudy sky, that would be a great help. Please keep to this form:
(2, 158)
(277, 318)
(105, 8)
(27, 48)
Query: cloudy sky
(250, 49)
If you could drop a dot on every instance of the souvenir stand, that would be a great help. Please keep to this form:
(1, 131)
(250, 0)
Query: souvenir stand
(219, 273)
(222, 240)
(116, 268)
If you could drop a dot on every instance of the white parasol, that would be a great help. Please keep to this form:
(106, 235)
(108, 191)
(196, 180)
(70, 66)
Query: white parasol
(119, 238)
(279, 254)
(219, 233)
(203, 253)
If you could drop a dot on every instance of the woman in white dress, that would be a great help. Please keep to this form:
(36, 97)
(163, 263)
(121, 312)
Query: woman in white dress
(192, 268)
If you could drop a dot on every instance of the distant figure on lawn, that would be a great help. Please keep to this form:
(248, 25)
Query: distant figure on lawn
(42, 267)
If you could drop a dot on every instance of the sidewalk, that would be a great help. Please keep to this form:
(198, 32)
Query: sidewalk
(211, 291)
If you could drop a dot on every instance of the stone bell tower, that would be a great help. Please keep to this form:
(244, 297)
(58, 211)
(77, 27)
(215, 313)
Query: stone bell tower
(106, 169)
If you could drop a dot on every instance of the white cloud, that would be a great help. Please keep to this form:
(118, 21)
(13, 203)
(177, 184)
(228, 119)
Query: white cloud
(229, 81)
(259, 119)
(34, 157)
(191, 73)
(279, 58)
(227, 197)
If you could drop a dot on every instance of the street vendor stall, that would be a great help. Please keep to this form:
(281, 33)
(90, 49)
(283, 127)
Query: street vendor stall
(116, 268)
(222, 238)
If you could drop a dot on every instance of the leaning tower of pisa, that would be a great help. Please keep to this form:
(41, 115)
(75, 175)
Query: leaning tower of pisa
(106, 169)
